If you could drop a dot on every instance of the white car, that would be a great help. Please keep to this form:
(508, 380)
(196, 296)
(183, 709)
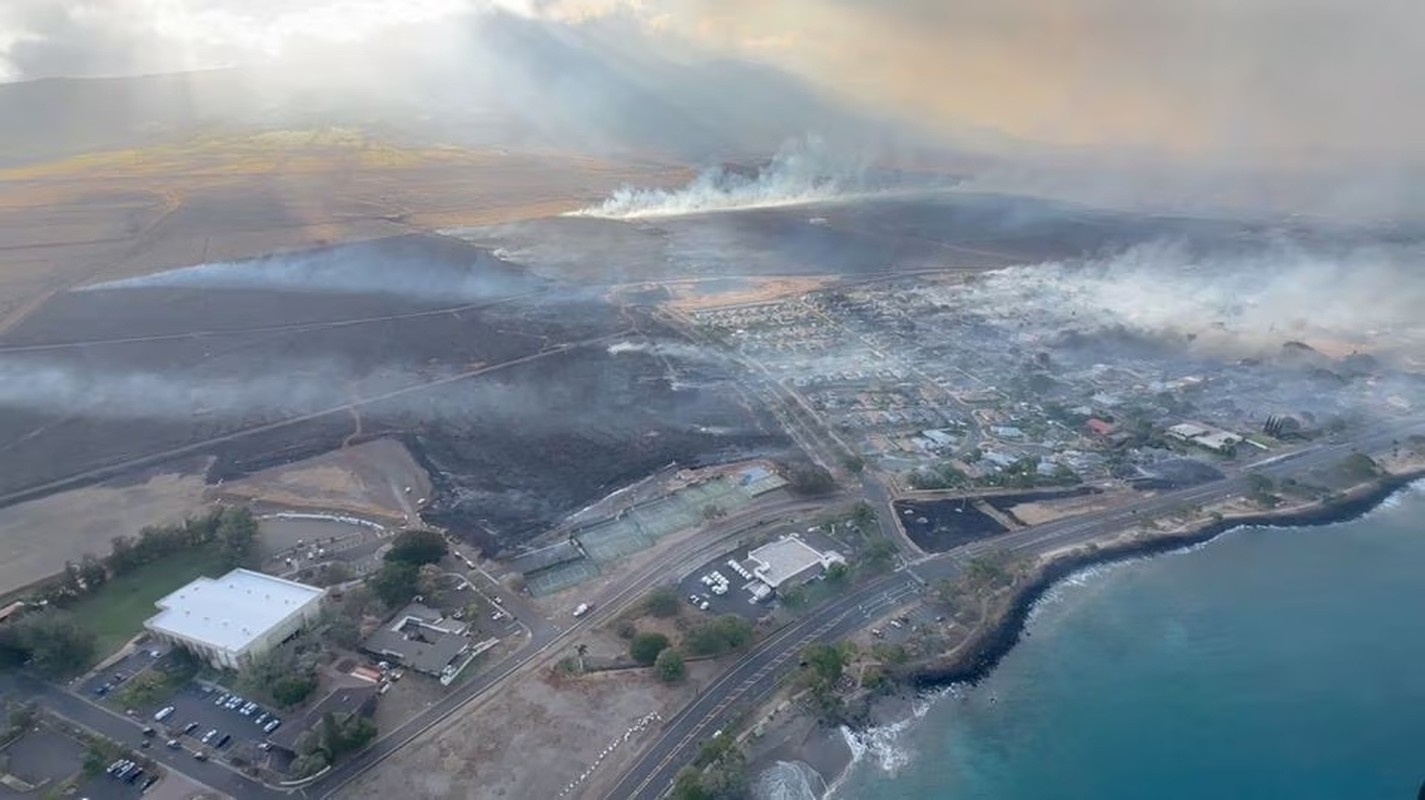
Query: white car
(582, 609)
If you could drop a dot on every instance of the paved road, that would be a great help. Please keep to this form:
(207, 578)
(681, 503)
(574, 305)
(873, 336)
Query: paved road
(546, 637)
(756, 675)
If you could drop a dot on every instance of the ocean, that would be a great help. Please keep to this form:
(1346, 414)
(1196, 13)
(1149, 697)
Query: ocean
(1268, 663)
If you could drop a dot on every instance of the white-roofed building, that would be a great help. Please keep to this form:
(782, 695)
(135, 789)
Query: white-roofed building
(789, 561)
(227, 621)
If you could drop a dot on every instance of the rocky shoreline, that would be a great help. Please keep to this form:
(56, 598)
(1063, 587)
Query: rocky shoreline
(826, 749)
(979, 655)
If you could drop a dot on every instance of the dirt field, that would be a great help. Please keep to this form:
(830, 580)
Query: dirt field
(129, 212)
(368, 479)
(1040, 512)
(39, 536)
(533, 739)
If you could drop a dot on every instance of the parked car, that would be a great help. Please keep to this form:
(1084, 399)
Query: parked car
(271, 726)
(263, 718)
(163, 713)
(222, 699)
(209, 736)
(173, 744)
(223, 740)
(200, 755)
(190, 727)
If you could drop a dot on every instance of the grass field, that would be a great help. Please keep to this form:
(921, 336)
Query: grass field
(117, 611)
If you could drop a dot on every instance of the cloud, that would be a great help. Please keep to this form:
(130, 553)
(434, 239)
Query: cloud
(1283, 83)
(49, 38)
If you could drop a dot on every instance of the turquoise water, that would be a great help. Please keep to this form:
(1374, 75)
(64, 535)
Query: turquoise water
(1271, 663)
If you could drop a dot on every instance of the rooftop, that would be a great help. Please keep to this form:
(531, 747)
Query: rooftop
(787, 558)
(232, 611)
(418, 641)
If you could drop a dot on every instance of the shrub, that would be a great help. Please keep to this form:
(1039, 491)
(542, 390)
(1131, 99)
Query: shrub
(417, 547)
(645, 647)
(669, 666)
(663, 602)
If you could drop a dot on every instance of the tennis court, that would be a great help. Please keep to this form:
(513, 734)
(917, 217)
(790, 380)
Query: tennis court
(662, 517)
(612, 539)
(558, 578)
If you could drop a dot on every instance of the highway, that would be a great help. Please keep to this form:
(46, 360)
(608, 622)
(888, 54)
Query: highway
(546, 638)
(755, 676)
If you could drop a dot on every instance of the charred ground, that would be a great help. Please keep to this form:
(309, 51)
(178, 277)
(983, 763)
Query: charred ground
(503, 384)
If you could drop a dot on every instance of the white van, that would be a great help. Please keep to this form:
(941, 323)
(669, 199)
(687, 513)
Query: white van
(163, 713)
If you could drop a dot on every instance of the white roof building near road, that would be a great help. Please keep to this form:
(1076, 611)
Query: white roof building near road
(790, 560)
(228, 620)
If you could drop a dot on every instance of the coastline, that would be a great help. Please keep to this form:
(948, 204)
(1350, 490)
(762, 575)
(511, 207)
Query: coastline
(832, 752)
(979, 654)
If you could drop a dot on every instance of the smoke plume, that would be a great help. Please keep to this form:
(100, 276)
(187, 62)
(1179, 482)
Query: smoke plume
(802, 171)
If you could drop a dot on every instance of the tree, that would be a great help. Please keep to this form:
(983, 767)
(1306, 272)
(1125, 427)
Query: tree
(237, 537)
(806, 478)
(580, 651)
(669, 666)
(718, 773)
(879, 553)
(55, 643)
(645, 647)
(663, 602)
(417, 547)
(92, 572)
(827, 661)
(864, 516)
(394, 583)
(307, 743)
(727, 632)
(837, 572)
(343, 632)
(309, 765)
(430, 583)
(293, 689)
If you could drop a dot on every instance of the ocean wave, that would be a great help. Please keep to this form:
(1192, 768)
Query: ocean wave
(885, 746)
(802, 171)
(789, 780)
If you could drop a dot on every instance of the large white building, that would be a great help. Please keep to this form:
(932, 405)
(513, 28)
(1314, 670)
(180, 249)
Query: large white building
(227, 621)
(789, 561)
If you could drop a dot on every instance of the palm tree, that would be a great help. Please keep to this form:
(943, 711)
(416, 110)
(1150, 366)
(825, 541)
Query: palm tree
(581, 650)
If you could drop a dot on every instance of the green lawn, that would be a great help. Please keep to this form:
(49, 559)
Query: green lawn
(116, 612)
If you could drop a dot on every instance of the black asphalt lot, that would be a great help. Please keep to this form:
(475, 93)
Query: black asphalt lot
(736, 599)
(191, 704)
(125, 730)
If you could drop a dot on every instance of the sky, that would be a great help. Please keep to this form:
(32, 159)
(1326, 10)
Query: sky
(1296, 82)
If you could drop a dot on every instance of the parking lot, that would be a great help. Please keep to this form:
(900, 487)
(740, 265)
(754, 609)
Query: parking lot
(194, 706)
(108, 787)
(108, 681)
(736, 601)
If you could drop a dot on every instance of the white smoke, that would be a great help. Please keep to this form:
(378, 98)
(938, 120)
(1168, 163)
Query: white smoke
(803, 171)
(292, 388)
(1261, 297)
(355, 269)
